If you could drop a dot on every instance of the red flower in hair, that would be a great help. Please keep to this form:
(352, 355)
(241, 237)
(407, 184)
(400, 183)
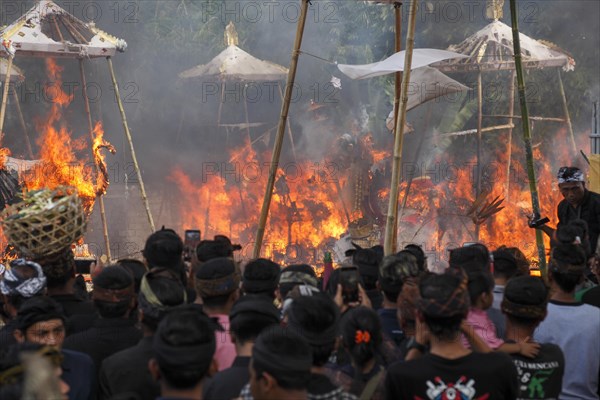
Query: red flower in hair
(362, 337)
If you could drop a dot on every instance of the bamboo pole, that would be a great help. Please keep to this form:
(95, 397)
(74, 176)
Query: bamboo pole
(479, 132)
(289, 127)
(130, 141)
(285, 107)
(5, 93)
(397, 48)
(398, 78)
(535, 202)
(566, 111)
(391, 223)
(511, 111)
(88, 112)
(549, 119)
(23, 124)
(472, 131)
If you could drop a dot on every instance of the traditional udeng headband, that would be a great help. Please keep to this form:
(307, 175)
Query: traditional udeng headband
(570, 174)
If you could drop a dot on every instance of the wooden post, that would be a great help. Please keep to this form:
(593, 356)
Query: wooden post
(5, 92)
(566, 112)
(511, 111)
(281, 130)
(289, 127)
(535, 202)
(130, 141)
(88, 112)
(23, 124)
(397, 48)
(479, 127)
(391, 220)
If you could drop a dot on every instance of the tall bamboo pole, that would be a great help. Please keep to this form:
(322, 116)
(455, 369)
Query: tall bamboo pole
(285, 107)
(398, 82)
(479, 132)
(22, 122)
(130, 141)
(566, 111)
(535, 202)
(88, 112)
(5, 92)
(511, 111)
(392, 215)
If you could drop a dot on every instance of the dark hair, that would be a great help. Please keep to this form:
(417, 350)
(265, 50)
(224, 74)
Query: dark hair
(530, 295)
(216, 301)
(394, 271)
(505, 264)
(261, 276)
(567, 264)
(441, 288)
(316, 317)
(285, 288)
(576, 229)
(367, 261)
(479, 282)
(475, 257)
(285, 343)
(520, 258)
(418, 252)
(136, 268)
(362, 319)
(184, 327)
(113, 277)
(58, 268)
(169, 291)
(247, 325)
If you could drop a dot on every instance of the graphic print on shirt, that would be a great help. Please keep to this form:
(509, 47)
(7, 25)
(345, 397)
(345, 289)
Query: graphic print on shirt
(462, 389)
(532, 381)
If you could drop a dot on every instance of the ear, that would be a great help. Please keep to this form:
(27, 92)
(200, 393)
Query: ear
(232, 335)
(19, 335)
(268, 382)
(213, 368)
(154, 369)
(140, 315)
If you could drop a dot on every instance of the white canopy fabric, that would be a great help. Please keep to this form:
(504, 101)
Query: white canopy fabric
(491, 48)
(427, 83)
(395, 63)
(234, 64)
(47, 30)
(16, 75)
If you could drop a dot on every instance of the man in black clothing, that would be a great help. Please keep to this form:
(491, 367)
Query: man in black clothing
(450, 370)
(114, 331)
(41, 320)
(578, 203)
(250, 315)
(261, 276)
(525, 306)
(367, 261)
(183, 348)
(125, 375)
(60, 278)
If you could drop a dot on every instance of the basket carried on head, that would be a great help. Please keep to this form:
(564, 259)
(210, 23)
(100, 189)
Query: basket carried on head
(46, 222)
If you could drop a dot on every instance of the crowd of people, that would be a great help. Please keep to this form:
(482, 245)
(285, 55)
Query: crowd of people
(215, 328)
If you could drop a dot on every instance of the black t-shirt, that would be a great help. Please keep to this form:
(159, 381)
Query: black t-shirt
(589, 211)
(490, 376)
(540, 378)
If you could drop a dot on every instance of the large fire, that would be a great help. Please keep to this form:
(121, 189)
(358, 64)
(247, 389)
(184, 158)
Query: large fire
(63, 159)
(308, 213)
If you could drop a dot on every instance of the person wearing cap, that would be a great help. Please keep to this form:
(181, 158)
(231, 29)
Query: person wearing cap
(113, 331)
(250, 315)
(217, 283)
(578, 203)
(24, 280)
(41, 320)
(60, 270)
(367, 261)
(572, 325)
(183, 348)
(450, 370)
(280, 366)
(294, 275)
(261, 276)
(125, 374)
(525, 306)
